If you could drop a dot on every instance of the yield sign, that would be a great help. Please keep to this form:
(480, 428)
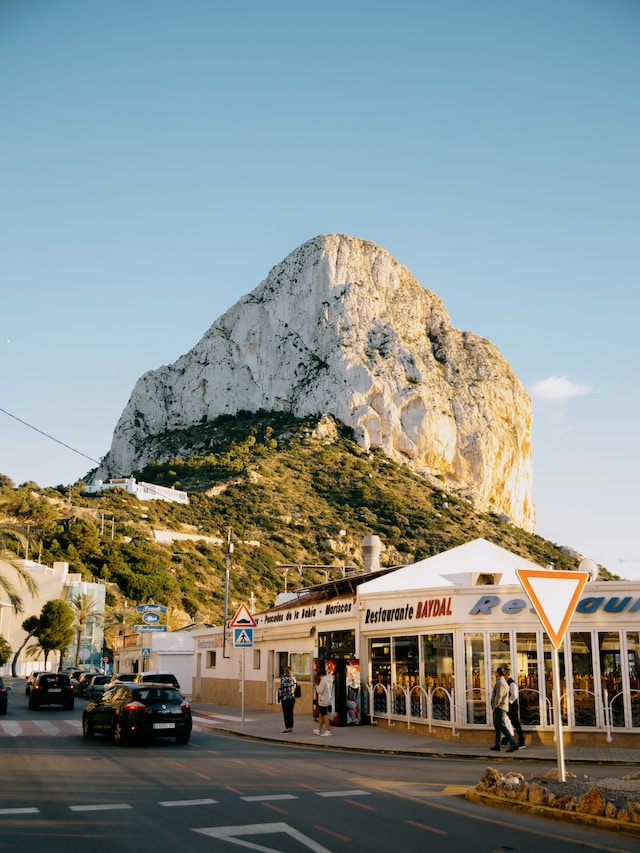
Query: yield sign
(554, 596)
(243, 618)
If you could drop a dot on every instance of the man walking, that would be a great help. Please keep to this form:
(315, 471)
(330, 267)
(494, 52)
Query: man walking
(500, 708)
(514, 708)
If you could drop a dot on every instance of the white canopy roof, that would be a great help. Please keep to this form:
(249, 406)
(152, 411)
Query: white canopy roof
(476, 562)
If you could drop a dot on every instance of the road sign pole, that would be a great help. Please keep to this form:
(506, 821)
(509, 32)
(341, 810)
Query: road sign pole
(242, 689)
(557, 712)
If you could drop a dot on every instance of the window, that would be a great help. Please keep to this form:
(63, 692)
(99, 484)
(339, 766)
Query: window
(256, 658)
(211, 659)
(380, 660)
(337, 644)
(300, 663)
(475, 677)
(405, 654)
(437, 658)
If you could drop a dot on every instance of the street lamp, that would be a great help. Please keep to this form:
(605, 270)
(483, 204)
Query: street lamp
(226, 593)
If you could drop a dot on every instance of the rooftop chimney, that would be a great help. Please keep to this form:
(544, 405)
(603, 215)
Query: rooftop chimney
(371, 548)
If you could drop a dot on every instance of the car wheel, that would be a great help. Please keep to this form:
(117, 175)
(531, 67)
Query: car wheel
(3, 711)
(183, 737)
(120, 735)
(32, 704)
(87, 730)
(69, 706)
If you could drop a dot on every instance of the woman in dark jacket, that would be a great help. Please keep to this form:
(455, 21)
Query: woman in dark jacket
(287, 698)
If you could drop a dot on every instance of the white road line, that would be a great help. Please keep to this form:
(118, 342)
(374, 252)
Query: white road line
(356, 793)
(20, 811)
(47, 727)
(10, 727)
(100, 807)
(221, 718)
(171, 803)
(269, 797)
(233, 835)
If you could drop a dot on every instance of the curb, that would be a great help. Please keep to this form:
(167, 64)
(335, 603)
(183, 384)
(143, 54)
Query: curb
(606, 823)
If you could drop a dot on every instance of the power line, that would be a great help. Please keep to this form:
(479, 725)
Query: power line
(46, 435)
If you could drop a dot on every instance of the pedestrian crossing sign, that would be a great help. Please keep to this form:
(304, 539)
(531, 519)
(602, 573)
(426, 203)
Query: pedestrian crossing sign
(243, 638)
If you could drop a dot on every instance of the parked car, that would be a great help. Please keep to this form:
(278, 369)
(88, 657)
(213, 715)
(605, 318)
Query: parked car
(95, 686)
(84, 679)
(156, 677)
(76, 674)
(30, 679)
(51, 688)
(120, 678)
(139, 711)
(4, 696)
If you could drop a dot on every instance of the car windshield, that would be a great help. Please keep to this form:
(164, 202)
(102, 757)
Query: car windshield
(158, 694)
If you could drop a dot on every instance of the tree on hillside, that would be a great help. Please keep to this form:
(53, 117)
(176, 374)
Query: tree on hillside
(10, 536)
(55, 631)
(30, 625)
(85, 610)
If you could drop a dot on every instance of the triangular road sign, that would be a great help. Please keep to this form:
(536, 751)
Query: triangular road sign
(554, 595)
(243, 618)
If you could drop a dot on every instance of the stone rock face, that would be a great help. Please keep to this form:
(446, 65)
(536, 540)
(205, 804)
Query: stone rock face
(340, 327)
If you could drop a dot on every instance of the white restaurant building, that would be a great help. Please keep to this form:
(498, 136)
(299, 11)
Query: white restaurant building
(423, 642)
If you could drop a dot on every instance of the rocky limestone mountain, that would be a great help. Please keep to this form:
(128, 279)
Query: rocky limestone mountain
(340, 327)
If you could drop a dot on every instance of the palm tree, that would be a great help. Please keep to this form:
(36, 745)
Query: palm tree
(86, 610)
(9, 560)
(117, 621)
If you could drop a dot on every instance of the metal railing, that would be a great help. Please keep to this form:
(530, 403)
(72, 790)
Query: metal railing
(580, 709)
(394, 701)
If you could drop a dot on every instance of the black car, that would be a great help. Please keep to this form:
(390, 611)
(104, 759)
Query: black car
(120, 678)
(82, 683)
(4, 696)
(51, 688)
(96, 685)
(157, 678)
(30, 679)
(139, 711)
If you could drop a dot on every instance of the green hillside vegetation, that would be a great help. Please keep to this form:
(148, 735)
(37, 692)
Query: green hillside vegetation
(292, 501)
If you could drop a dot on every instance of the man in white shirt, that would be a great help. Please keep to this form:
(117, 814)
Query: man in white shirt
(514, 708)
(500, 708)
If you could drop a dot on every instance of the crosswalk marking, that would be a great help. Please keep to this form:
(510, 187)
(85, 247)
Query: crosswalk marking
(37, 728)
(46, 728)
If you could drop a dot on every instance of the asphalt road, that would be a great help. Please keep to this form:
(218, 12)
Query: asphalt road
(222, 792)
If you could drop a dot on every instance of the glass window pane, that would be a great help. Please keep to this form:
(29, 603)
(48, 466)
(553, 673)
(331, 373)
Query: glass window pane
(528, 677)
(584, 700)
(475, 678)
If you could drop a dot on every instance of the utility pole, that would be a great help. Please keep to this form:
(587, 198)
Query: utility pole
(226, 594)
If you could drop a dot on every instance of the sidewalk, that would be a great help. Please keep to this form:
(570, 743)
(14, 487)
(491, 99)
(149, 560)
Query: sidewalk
(268, 725)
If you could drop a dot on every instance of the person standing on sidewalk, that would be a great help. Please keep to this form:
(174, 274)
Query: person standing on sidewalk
(325, 701)
(514, 708)
(287, 697)
(500, 708)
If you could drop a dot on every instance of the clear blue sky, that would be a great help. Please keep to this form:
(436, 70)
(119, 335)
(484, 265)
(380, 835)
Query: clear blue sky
(159, 157)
